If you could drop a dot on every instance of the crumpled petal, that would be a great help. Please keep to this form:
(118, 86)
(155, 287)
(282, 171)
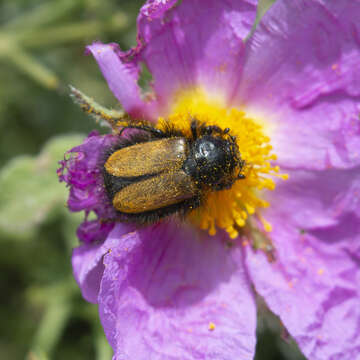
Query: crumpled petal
(81, 170)
(93, 230)
(87, 262)
(302, 75)
(196, 43)
(175, 293)
(314, 285)
(122, 77)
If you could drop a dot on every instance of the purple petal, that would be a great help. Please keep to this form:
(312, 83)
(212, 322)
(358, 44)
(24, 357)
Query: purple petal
(197, 43)
(169, 292)
(87, 262)
(302, 73)
(314, 283)
(81, 170)
(94, 230)
(121, 77)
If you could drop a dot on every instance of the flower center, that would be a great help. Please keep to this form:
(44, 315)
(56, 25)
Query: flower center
(229, 209)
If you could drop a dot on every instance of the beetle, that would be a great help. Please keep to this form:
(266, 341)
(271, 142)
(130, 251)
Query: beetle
(153, 173)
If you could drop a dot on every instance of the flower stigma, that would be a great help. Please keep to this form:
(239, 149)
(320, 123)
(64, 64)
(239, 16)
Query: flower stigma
(229, 209)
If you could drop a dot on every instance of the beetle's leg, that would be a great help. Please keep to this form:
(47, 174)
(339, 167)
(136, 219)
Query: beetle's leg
(99, 113)
(194, 127)
(154, 131)
(208, 130)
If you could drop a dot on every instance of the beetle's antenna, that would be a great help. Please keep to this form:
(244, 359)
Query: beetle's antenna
(102, 115)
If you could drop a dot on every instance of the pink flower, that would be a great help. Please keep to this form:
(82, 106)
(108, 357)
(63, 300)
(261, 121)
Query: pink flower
(171, 291)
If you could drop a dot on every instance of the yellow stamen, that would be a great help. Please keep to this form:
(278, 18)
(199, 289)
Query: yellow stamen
(229, 209)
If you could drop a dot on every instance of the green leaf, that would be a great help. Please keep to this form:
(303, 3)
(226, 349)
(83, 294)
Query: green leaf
(30, 190)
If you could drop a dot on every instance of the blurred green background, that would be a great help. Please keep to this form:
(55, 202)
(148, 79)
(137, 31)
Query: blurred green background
(42, 51)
